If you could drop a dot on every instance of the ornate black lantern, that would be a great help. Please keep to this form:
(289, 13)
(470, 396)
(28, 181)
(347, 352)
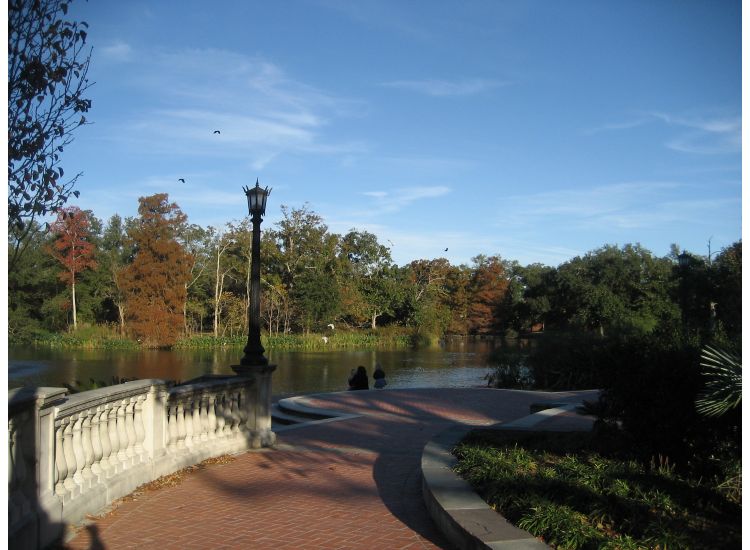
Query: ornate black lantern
(256, 199)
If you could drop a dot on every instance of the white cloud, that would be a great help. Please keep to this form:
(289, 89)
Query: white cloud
(616, 206)
(397, 199)
(261, 112)
(706, 135)
(119, 51)
(446, 88)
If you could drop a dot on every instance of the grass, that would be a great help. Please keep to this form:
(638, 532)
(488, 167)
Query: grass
(85, 338)
(107, 338)
(553, 486)
(339, 340)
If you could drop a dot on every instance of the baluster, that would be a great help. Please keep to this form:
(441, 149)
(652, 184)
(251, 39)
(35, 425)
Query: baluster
(61, 466)
(220, 415)
(130, 429)
(80, 457)
(212, 427)
(87, 448)
(14, 510)
(21, 467)
(196, 420)
(96, 443)
(70, 457)
(189, 421)
(205, 426)
(114, 439)
(181, 425)
(122, 436)
(227, 414)
(140, 431)
(235, 413)
(242, 409)
(172, 425)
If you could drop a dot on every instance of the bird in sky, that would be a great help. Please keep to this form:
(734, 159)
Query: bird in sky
(446, 250)
(217, 132)
(182, 180)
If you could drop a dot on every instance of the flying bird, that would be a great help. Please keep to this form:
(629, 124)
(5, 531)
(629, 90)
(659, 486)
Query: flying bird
(446, 250)
(182, 180)
(217, 132)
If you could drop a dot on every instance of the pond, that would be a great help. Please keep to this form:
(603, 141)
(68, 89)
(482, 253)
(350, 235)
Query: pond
(458, 362)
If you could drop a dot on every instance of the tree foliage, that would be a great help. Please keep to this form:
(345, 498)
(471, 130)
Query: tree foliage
(47, 81)
(72, 247)
(312, 277)
(154, 283)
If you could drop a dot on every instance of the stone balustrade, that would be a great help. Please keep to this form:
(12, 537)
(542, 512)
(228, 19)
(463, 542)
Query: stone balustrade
(72, 455)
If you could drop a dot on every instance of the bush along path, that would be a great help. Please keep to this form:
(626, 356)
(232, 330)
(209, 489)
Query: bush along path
(559, 487)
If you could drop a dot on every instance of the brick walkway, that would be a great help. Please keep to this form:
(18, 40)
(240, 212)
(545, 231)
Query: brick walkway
(347, 484)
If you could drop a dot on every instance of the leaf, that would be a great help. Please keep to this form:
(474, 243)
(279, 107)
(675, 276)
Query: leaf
(64, 8)
(723, 390)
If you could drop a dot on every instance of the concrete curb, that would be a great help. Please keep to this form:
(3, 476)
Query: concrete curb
(457, 510)
(300, 406)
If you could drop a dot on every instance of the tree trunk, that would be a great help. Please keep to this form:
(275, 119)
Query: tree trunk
(184, 313)
(374, 318)
(121, 312)
(73, 294)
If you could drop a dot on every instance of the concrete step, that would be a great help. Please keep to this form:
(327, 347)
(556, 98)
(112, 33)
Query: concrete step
(285, 417)
(294, 412)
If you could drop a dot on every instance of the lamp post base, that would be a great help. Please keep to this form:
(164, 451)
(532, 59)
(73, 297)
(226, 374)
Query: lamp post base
(250, 370)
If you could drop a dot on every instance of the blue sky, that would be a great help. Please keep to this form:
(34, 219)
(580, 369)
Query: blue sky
(533, 130)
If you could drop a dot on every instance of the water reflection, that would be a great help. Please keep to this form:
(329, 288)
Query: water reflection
(456, 363)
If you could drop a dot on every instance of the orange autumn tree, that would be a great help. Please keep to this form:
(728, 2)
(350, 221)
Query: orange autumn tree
(488, 287)
(154, 283)
(73, 248)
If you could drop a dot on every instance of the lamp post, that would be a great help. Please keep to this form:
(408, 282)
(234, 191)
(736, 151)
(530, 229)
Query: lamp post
(683, 260)
(256, 204)
(254, 368)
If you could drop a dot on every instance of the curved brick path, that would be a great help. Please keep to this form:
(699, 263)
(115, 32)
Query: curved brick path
(352, 483)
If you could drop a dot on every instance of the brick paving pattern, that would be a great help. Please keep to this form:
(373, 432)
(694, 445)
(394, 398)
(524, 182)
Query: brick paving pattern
(348, 484)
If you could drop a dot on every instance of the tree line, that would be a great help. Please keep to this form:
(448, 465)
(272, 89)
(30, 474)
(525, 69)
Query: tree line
(156, 278)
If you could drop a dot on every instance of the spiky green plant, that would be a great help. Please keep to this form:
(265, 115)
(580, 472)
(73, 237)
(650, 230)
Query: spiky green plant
(723, 390)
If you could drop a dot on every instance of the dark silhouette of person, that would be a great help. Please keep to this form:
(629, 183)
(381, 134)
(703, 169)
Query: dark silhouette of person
(358, 381)
(379, 376)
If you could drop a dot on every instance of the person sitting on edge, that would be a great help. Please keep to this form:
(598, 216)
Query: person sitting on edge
(379, 376)
(359, 380)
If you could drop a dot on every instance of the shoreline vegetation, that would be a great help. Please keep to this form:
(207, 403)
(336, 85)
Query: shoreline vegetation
(99, 338)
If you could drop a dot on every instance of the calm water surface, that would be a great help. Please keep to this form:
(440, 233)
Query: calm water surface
(457, 363)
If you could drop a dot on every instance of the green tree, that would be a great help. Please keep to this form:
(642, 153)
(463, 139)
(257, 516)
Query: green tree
(626, 289)
(306, 252)
(33, 285)
(112, 257)
(368, 276)
(316, 296)
(426, 297)
(727, 289)
(196, 242)
(458, 281)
